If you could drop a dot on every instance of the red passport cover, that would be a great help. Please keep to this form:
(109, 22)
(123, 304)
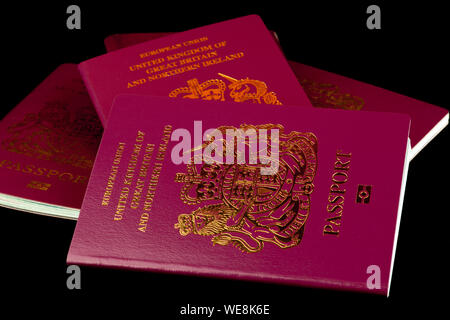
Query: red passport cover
(235, 60)
(48, 144)
(330, 90)
(326, 218)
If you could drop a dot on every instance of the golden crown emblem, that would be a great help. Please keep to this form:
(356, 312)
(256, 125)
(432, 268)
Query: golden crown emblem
(328, 95)
(237, 205)
(243, 90)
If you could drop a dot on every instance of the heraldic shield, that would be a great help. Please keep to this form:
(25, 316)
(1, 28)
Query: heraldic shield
(238, 206)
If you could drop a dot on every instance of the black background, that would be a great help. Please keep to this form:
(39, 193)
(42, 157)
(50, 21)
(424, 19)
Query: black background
(408, 55)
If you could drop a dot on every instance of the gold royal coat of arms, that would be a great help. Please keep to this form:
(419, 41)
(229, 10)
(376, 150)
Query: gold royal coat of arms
(238, 206)
(243, 90)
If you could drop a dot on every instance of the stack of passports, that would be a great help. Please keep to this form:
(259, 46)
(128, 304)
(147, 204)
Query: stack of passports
(236, 60)
(309, 224)
(328, 90)
(170, 191)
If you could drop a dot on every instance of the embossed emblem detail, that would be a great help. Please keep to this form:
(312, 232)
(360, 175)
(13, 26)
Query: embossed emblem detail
(57, 134)
(328, 95)
(243, 90)
(238, 206)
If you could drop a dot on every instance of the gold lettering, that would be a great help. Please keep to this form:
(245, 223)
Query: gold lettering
(328, 229)
(136, 83)
(160, 50)
(335, 205)
(146, 64)
(223, 59)
(113, 173)
(120, 209)
(154, 177)
(143, 221)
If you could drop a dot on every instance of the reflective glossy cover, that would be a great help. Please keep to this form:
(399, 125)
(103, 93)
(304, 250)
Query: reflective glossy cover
(48, 143)
(235, 60)
(330, 90)
(327, 218)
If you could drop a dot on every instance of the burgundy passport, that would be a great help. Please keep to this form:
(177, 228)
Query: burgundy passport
(330, 90)
(48, 143)
(236, 60)
(308, 196)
